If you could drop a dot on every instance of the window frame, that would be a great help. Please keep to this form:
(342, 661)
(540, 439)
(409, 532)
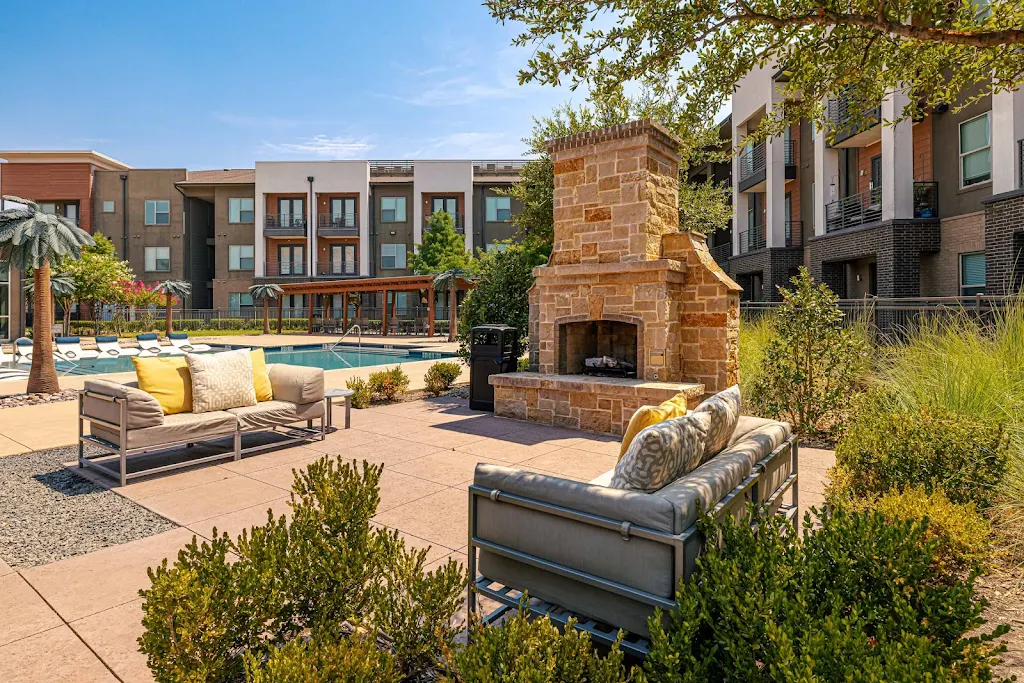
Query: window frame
(497, 219)
(963, 155)
(960, 266)
(157, 212)
(250, 211)
(394, 246)
(106, 203)
(343, 248)
(396, 199)
(291, 261)
(240, 266)
(240, 305)
(156, 260)
(347, 218)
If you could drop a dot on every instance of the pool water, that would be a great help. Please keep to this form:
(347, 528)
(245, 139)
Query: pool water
(320, 356)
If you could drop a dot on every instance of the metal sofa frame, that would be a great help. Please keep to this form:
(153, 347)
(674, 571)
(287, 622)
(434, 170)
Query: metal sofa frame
(686, 547)
(102, 462)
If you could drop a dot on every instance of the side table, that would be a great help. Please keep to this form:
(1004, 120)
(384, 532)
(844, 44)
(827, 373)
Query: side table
(332, 394)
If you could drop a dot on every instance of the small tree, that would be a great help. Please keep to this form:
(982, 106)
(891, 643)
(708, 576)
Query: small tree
(100, 276)
(266, 292)
(443, 248)
(173, 291)
(812, 362)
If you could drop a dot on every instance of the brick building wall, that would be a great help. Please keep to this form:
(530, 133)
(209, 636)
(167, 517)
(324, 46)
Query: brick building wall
(775, 266)
(1004, 243)
(940, 272)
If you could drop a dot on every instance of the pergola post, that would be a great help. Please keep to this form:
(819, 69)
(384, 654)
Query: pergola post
(394, 304)
(431, 303)
(344, 314)
(312, 298)
(384, 316)
(280, 311)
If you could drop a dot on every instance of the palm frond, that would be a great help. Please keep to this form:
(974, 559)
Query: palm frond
(175, 288)
(60, 286)
(265, 290)
(30, 238)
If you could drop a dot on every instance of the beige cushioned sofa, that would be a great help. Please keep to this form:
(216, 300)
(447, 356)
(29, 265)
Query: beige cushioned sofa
(611, 556)
(126, 421)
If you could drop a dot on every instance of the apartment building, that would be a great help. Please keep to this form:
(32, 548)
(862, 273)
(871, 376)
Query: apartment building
(928, 207)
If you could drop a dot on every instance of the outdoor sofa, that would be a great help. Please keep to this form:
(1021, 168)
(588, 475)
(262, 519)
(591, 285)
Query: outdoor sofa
(127, 422)
(609, 556)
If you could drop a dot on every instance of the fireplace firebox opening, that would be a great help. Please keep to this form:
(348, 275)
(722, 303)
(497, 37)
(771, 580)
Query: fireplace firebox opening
(602, 347)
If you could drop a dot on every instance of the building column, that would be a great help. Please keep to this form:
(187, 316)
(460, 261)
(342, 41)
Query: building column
(260, 242)
(739, 199)
(1007, 134)
(826, 178)
(897, 159)
(775, 181)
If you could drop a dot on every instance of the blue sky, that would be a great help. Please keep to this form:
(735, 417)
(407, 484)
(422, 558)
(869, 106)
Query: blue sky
(222, 83)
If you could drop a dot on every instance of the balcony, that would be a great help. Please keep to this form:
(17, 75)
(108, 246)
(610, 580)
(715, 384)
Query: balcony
(460, 223)
(855, 210)
(722, 252)
(338, 269)
(338, 225)
(926, 200)
(285, 269)
(794, 233)
(391, 168)
(752, 239)
(284, 225)
(752, 167)
(498, 167)
(850, 129)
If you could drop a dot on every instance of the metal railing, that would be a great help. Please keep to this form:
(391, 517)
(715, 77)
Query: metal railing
(926, 199)
(338, 224)
(752, 239)
(340, 269)
(752, 161)
(284, 224)
(1020, 163)
(722, 252)
(794, 233)
(846, 122)
(858, 209)
(391, 167)
(789, 152)
(460, 223)
(285, 269)
(499, 166)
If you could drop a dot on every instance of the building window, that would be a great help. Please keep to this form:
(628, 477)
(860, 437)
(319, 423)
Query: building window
(972, 273)
(291, 259)
(497, 246)
(238, 300)
(499, 209)
(241, 210)
(108, 207)
(976, 150)
(392, 256)
(392, 210)
(343, 259)
(241, 257)
(158, 212)
(158, 259)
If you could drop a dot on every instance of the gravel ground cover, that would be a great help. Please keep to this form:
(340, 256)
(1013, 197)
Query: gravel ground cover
(17, 400)
(49, 513)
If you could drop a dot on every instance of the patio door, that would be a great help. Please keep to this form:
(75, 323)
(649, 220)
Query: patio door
(448, 204)
(343, 212)
(291, 212)
(343, 259)
(876, 172)
(291, 259)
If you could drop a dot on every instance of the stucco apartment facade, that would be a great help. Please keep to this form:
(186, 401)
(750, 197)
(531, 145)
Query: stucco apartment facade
(923, 208)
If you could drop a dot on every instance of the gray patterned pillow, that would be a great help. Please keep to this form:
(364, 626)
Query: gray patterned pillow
(221, 380)
(724, 408)
(662, 453)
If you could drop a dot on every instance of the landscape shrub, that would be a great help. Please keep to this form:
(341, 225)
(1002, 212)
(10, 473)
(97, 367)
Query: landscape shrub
(535, 651)
(440, 377)
(226, 606)
(362, 395)
(889, 446)
(855, 600)
(754, 337)
(523, 364)
(350, 660)
(812, 363)
(961, 535)
(388, 385)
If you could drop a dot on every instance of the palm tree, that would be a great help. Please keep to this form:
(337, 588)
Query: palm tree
(31, 240)
(172, 289)
(449, 280)
(266, 291)
(62, 288)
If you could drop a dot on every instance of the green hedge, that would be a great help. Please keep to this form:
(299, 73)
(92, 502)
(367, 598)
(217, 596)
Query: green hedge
(87, 327)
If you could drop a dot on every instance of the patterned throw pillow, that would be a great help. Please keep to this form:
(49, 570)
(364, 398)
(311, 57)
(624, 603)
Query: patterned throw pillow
(221, 380)
(662, 453)
(724, 408)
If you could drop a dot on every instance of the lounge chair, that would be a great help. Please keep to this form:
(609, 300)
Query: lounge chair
(179, 340)
(149, 345)
(70, 348)
(110, 348)
(23, 350)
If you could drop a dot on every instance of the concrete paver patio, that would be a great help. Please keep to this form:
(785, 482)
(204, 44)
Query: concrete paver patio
(78, 619)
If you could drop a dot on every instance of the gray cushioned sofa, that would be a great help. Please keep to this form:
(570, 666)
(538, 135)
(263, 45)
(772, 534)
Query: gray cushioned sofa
(125, 421)
(611, 556)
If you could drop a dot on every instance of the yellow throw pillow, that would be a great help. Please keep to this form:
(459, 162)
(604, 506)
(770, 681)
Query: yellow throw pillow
(261, 376)
(167, 380)
(645, 416)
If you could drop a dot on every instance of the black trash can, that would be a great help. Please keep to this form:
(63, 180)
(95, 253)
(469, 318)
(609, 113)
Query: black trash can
(492, 350)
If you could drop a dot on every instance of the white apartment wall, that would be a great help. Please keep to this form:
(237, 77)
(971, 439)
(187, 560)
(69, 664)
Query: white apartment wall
(328, 176)
(442, 176)
(1007, 129)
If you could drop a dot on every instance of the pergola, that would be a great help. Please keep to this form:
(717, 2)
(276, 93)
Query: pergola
(390, 286)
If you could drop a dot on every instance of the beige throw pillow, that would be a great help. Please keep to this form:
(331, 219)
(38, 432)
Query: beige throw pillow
(662, 453)
(724, 408)
(221, 380)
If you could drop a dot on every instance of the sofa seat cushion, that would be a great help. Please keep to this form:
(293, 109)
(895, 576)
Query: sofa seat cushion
(180, 427)
(221, 380)
(276, 413)
(645, 416)
(724, 409)
(747, 424)
(662, 453)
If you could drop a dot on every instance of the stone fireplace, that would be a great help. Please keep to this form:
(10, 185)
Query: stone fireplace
(622, 286)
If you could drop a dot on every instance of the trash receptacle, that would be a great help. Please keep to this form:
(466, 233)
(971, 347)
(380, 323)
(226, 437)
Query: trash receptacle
(492, 350)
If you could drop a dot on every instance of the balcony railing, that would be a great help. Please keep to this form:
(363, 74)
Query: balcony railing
(338, 269)
(499, 167)
(338, 225)
(391, 167)
(846, 122)
(752, 239)
(1020, 163)
(794, 233)
(751, 161)
(859, 209)
(926, 200)
(284, 225)
(285, 269)
(460, 223)
(722, 252)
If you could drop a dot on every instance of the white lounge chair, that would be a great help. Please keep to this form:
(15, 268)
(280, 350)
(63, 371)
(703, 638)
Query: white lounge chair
(110, 348)
(149, 345)
(70, 348)
(23, 350)
(179, 340)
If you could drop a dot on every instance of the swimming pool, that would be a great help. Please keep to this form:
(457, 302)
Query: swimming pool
(317, 356)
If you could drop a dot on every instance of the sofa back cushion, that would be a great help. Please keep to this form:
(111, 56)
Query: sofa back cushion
(645, 416)
(662, 453)
(724, 409)
(261, 376)
(221, 380)
(167, 380)
(296, 383)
